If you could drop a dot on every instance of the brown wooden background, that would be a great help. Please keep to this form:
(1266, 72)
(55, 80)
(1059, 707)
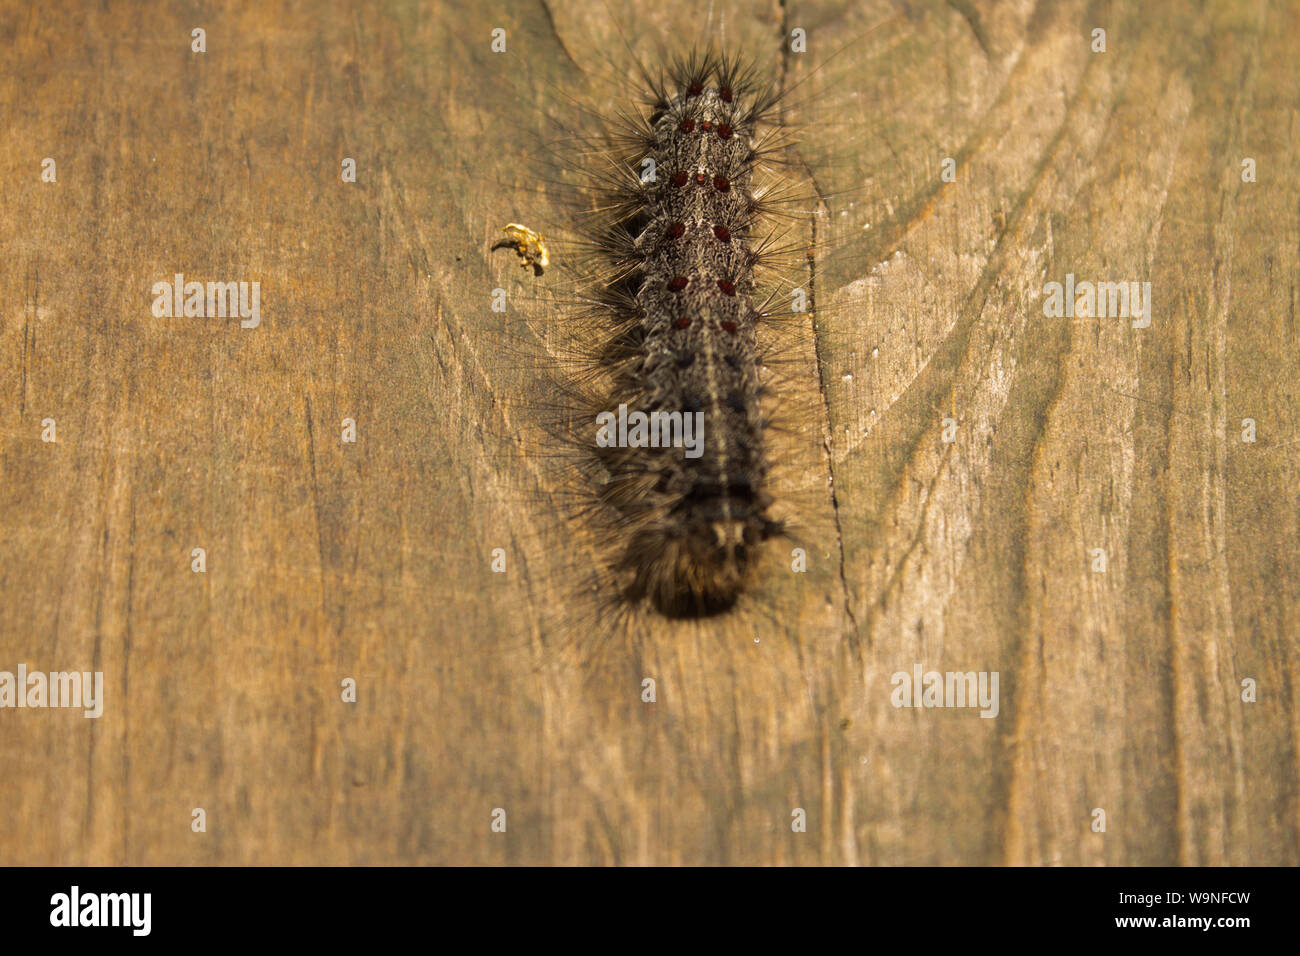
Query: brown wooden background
(1119, 690)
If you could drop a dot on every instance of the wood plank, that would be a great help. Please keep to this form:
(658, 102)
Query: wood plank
(1118, 690)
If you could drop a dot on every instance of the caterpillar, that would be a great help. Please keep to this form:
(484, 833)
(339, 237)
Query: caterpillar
(681, 247)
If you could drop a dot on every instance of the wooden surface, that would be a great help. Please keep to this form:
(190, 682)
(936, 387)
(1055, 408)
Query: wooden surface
(1119, 690)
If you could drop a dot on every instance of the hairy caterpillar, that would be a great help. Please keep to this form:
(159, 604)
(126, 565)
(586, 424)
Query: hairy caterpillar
(684, 229)
(683, 245)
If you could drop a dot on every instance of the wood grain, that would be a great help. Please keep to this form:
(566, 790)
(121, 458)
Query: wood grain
(1119, 690)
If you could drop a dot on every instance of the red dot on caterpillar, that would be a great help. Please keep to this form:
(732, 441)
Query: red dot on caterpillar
(727, 286)
(706, 126)
(721, 184)
(682, 323)
(723, 233)
(729, 326)
(677, 283)
(725, 93)
(679, 178)
(699, 178)
(689, 124)
(676, 229)
(695, 89)
(724, 131)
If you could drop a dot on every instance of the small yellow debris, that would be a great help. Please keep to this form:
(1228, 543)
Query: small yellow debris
(528, 245)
